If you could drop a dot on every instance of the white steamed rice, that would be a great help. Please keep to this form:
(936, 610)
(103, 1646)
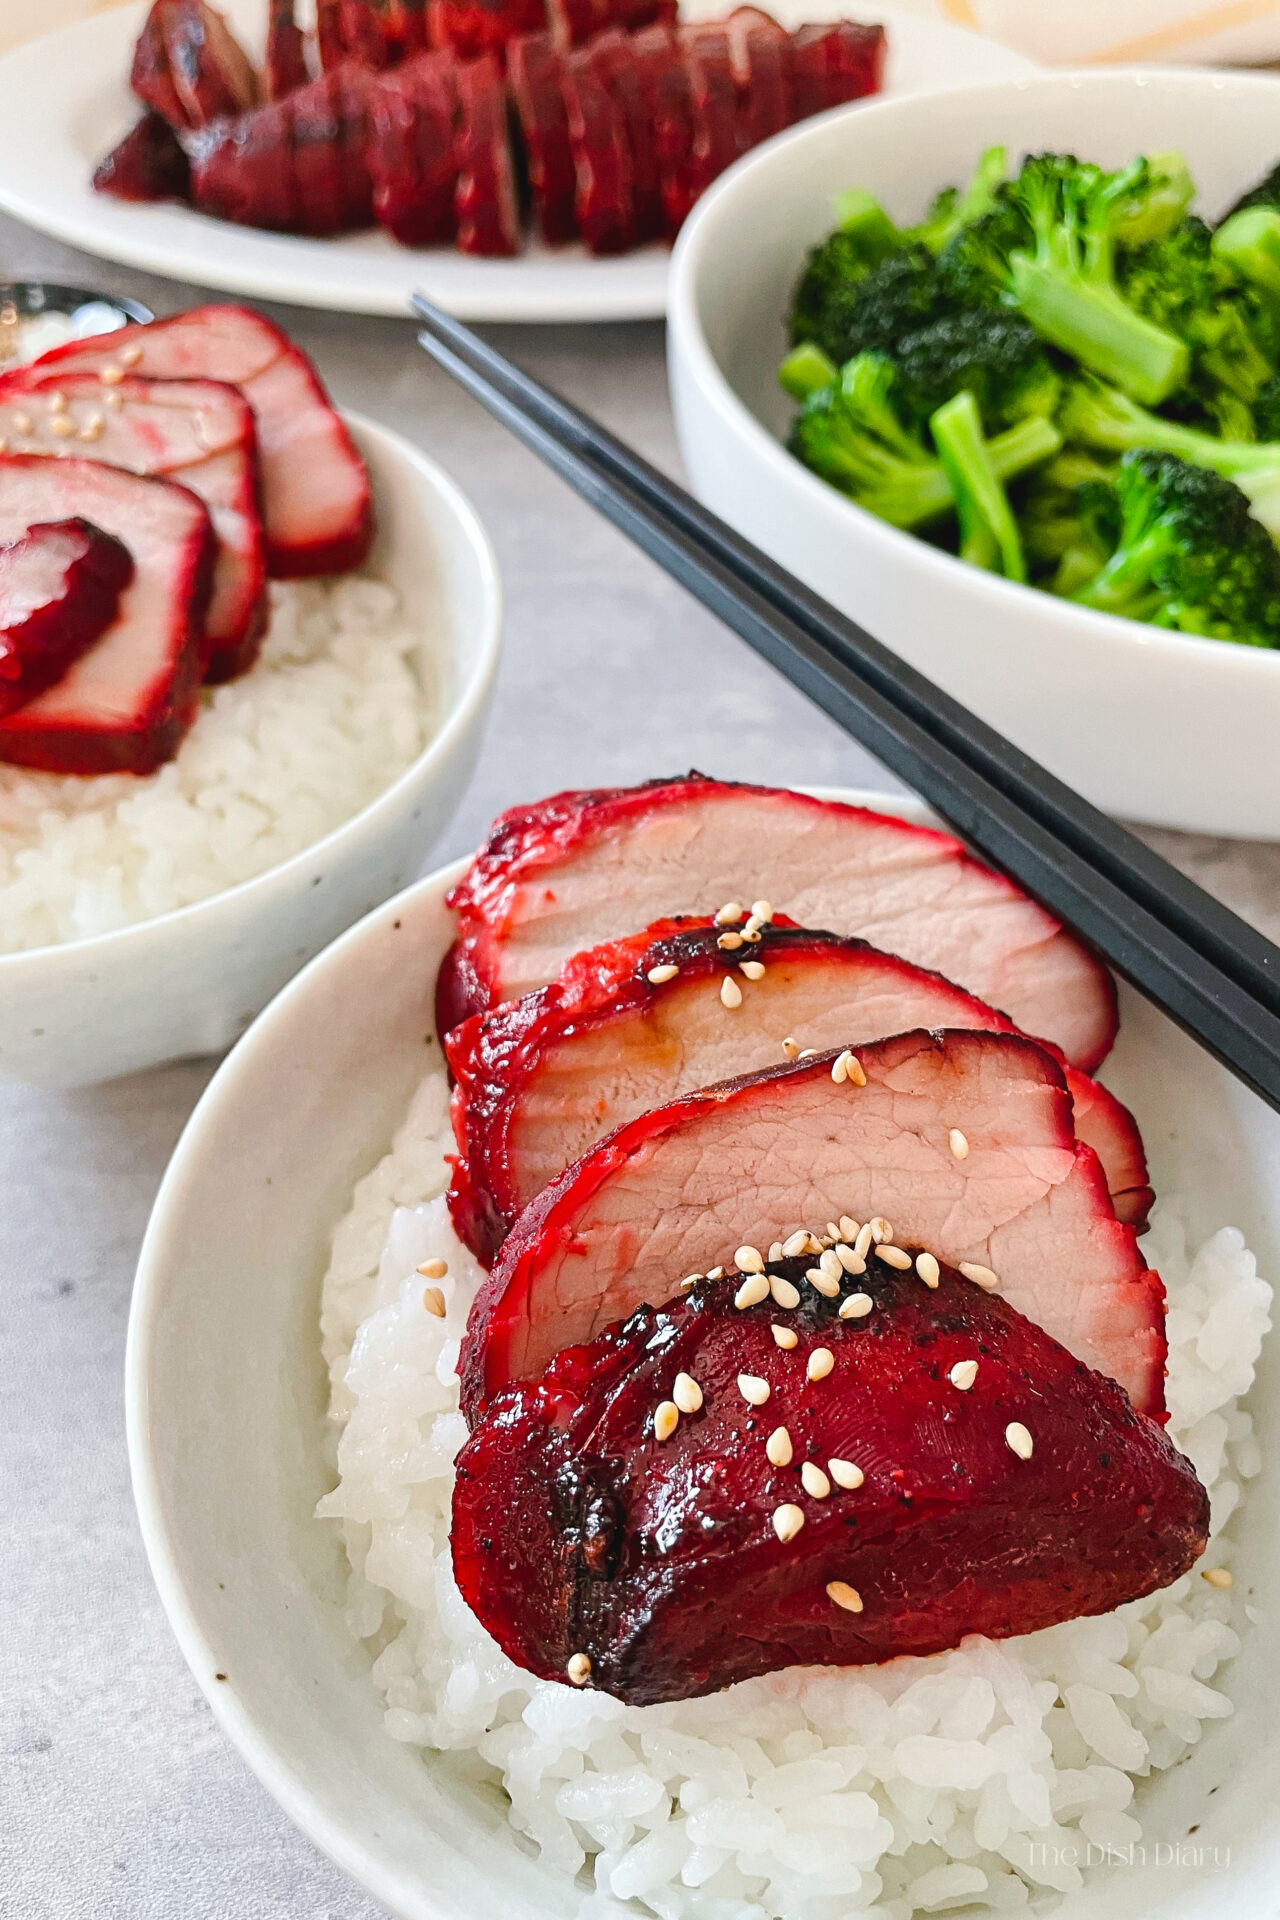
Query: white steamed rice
(980, 1775)
(337, 708)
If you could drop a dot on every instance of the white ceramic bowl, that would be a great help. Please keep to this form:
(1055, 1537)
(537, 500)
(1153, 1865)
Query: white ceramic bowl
(225, 1403)
(1153, 726)
(189, 982)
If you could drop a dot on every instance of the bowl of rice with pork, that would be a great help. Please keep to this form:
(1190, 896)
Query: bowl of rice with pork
(666, 1674)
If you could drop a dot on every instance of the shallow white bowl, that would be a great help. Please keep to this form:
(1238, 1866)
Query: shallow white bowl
(189, 982)
(225, 1399)
(1154, 726)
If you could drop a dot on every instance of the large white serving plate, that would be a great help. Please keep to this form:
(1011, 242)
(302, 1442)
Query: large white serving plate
(227, 1436)
(64, 102)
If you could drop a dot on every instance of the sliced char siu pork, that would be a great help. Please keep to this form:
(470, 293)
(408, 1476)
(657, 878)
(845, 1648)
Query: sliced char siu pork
(472, 29)
(761, 52)
(486, 203)
(755, 1160)
(60, 587)
(189, 67)
(636, 1024)
(613, 56)
(535, 75)
(715, 104)
(317, 501)
(831, 65)
(125, 704)
(331, 152)
(412, 115)
(197, 432)
(573, 22)
(604, 201)
(147, 165)
(579, 869)
(242, 169)
(935, 1467)
(286, 68)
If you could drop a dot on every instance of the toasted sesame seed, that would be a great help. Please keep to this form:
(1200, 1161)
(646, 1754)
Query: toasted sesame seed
(881, 1230)
(715, 1273)
(657, 976)
(666, 1418)
(753, 969)
(786, 1337)
(846, 1474)
(854, 1071)
(92, 429)
(795, 1244)
(958, 1144)
(729, 914)
(775, 1252)
(753, 1290)
(814, 1480)
(113, 401)
(57, 403)
(130, 356)
(856, 1306)
(862, 1245)
(753, 1389)
(62, 425)
(579, 1669)
(686, 1393)
(111, 376)
(832, 1233)
(791, 1048)
(831, 1264)
(928, 1269)
(980, 1276)
(895, 1257)
(848, 1226)
(1221, 1577)
(778, 1448)
(786, 1295)
(434, 1269)
(4, 444)
(690, 1280)
(753, 934)
(1018, 1440)
(848, 1259)
(753, 926)
(433, 1301)
(787, 1521)
(729, 942)
(730, 992)
(807, 1053)
(844, 1595)
(749, 1260)
(761, 910)
(840, 1067)
(819, 1282)
(821, 1361)
(963, 1374)
(23, 424)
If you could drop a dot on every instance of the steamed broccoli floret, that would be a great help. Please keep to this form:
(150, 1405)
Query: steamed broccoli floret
(805, 370)
(1158, 202)
(1189, 555)
(953, 209)
(1266, 409)
(1101, 417)
(1069, 531)
(1181, 284)
(1048, 248)
(864, 238)
(871, 314)
(988, 531)
(995, 356)
(1249, 243)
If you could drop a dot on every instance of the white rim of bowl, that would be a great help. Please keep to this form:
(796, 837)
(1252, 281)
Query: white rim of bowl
(470, 696)
(688, 340)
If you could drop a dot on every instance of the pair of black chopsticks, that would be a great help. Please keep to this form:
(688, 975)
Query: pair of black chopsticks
(1212, 973)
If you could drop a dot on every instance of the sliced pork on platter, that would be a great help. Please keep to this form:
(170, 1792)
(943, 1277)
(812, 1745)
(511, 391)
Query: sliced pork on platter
(188, 66)
(411, 143)
(60, 587)
(963, 1142)
(316, 498)
(709, 1492)
(125, 703)
(581, 869)
(635, 1024)
(197, 432)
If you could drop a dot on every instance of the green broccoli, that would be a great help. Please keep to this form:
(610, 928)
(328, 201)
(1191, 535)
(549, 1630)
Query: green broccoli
(1068, 533)
(1158, 203)
(1266, 410)
(805, 370)
(988, 531)
(1048, 248)
(1181, 284)
(1249, 242)
(1189, 555)
(995, 356)
(872, 313)
(864, 238)
(953, 209)
(1101, 417)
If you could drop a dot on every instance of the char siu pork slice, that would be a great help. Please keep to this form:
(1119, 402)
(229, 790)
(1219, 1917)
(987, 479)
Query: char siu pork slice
(761, 51)
(331, 141)
(286, 68)
(665, 82)
(147, 165)
(485, 200)
(330, 47)
(125, 704)
(613, 56)
(636, 1024)
(412, 114)
(573, 22)
(879, 1485)
(471, 28)
(197, 432)
(754, 1160)
(189, 66)
(831, 65)
(316, 498)
(242, 169)
(582, 868)
(60, 587)
(604, 201)
(535, 75)
(715, 104)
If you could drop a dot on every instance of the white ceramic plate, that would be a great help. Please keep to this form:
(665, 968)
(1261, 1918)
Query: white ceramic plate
(226, 1394)
(64, 102)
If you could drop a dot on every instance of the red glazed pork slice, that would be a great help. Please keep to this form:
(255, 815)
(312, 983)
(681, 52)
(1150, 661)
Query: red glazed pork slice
(331, 142)
(197, 432)
(485, 202)
(834, 64)
(761, 68)
(625, 78)
(148, 164)
(242, 169)
(125, 704)
(715, 104)
(60, 587)
(753, 1161)
(189, 67)
(535, 74)
(582, 868)
(472, 29)
(286, 51)
(317, 501)
(604, 199)
(411, 150)
(662, 1564)
(634, 1025)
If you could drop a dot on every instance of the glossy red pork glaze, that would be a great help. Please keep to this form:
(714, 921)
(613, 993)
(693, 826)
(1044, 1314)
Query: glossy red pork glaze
(125, 703)
(635, 1024)
(60, 587)
(754, 1160)
(663, 1568)
(581, 869)
(317, 502)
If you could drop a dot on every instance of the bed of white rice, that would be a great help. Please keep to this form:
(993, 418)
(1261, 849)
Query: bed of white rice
(982, 1775)
(337, 708)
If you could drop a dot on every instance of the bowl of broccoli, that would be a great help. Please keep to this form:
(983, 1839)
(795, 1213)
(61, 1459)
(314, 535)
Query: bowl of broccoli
(998, 372)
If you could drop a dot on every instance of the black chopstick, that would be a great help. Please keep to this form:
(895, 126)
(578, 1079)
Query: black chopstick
(1212, 973)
